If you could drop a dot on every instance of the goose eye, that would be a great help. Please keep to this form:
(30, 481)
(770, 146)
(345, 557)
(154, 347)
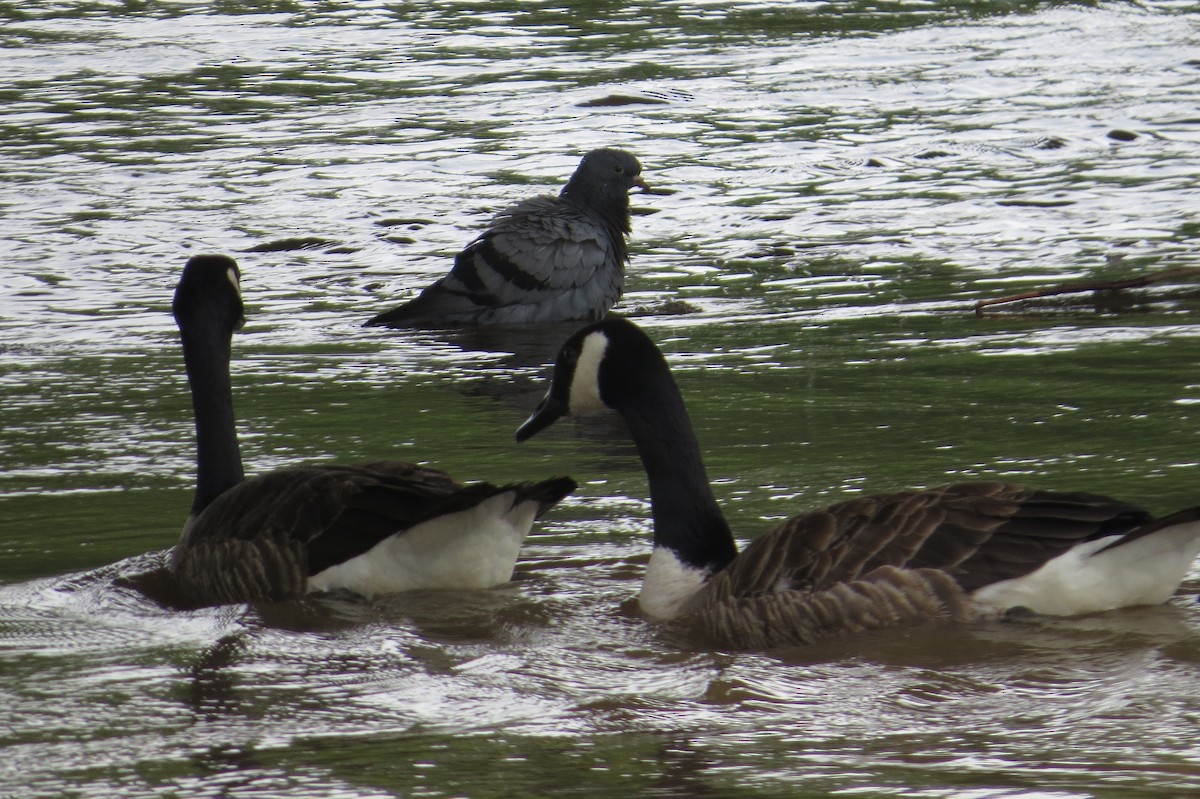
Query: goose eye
(618, 169)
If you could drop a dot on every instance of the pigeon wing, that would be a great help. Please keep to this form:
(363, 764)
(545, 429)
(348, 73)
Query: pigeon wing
(537, 247)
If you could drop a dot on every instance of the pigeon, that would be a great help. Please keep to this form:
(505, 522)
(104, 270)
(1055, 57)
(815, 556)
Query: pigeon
(545, 259)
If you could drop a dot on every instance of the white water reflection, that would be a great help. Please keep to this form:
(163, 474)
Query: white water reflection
(844, 183)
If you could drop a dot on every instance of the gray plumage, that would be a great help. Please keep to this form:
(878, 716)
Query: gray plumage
(948, 553)
(545, 259)
(265, 537)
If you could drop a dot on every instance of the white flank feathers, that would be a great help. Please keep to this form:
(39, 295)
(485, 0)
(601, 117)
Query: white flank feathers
(474, 548)
(1142, 572)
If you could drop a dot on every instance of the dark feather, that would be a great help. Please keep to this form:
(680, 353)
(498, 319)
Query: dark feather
(979, 533)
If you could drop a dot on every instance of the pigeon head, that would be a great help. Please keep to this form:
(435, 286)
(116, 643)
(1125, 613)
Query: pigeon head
(603, 181)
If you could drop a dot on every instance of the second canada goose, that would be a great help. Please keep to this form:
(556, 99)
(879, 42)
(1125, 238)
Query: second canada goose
(953, 552)
(371, 529)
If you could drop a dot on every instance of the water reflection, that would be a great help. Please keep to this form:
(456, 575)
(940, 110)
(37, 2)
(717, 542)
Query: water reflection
(213, 685)
(520, 348)
(850, 179)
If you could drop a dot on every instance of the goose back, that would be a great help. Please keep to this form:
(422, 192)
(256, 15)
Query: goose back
(898, 558)
(980, 533)
(263, 538)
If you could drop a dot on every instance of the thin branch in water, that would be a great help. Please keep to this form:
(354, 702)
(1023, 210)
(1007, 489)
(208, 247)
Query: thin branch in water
(1091, 285)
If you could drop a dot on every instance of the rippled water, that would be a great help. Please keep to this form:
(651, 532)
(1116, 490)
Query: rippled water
(842, 183)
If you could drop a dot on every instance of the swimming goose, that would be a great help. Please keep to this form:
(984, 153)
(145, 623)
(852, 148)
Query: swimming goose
(545, 259)
(954, 552)
(371, 529)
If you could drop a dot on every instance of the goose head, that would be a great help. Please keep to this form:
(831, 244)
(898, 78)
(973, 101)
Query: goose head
(614, 365)
(209, 295)
(609, 365)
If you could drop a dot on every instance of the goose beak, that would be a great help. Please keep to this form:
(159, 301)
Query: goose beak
(549, 410)
(641, 184)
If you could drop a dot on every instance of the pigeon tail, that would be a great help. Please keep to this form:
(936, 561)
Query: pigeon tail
(435, 304)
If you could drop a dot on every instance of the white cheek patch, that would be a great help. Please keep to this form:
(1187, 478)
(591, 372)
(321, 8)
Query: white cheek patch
(233, 278)
(585, 383)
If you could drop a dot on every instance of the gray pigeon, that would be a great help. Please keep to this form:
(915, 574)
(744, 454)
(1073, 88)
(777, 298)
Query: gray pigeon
(545, 259)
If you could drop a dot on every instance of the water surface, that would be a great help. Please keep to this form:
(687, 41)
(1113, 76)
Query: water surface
(843, 182)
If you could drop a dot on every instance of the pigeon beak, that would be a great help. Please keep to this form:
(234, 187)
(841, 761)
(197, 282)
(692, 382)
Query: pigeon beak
(549, 410)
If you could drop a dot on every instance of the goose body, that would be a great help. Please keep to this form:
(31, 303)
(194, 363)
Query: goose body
(371, 529)
(953, 552)
(545, 259)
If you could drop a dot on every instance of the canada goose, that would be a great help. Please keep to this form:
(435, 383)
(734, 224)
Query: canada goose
(953, 552)
(545, 259)
(371, 529)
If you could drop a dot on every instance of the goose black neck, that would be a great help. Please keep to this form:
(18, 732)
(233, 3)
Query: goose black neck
(206, 353)
(687, 518)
